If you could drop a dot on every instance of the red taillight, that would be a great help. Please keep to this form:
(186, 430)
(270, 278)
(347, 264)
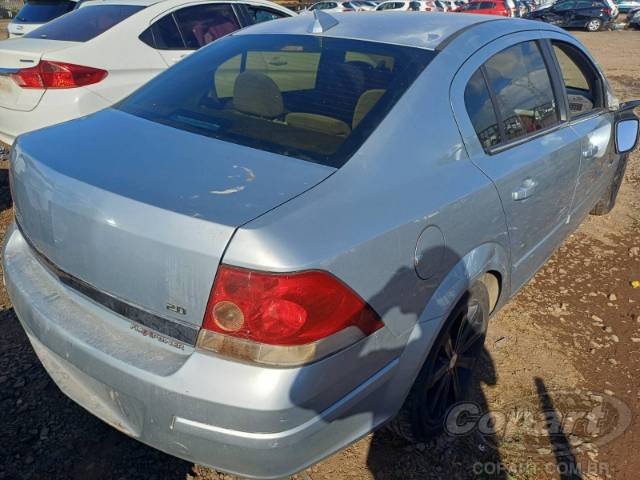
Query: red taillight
(57, 75)
(607, 11)
(284, 309)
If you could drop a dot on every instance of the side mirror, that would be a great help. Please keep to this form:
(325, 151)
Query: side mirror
(627, 127)
(627, 134)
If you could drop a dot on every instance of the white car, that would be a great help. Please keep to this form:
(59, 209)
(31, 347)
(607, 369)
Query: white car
(35, 13)
(94, 56)
(403, 6)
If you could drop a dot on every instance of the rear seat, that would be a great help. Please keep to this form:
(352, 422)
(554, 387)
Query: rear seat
(256, 94)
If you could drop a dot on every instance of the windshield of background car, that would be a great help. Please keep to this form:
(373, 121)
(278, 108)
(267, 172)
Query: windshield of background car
(85, 23)
(41, 12)
(303, 96)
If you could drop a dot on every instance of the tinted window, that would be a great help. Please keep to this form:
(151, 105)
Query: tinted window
(85, 23)
(520, 80)
(581, 79)
(301, 96)
(42, 12)
(164, 35)
(259, 15)
(481, 111)
(202, 24)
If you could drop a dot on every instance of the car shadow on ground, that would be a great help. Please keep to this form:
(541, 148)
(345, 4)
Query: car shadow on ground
(566, 463)
(46, 435)
(471, 455)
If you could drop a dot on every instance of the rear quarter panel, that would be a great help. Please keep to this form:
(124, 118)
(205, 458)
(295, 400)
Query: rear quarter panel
(130, 62)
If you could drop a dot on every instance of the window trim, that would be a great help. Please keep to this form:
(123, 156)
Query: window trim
(561, 104)
(241, 11)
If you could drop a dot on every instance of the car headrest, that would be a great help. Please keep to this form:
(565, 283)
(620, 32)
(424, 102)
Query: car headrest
(256, 94)
(365, 103)
(318, 123)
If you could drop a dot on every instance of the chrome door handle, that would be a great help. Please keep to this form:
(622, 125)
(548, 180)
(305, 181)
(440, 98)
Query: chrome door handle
(590, 151)
(525, 191)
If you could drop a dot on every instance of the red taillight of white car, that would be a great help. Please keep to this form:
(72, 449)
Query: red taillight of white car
(283, 319)
(49, 74)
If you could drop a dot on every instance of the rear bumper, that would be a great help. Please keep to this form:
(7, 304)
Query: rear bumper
(55, 106)
(248, 420)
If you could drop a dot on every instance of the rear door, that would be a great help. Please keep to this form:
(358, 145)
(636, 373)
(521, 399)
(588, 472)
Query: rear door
(583, 11)
(513, 118)
(562, 13)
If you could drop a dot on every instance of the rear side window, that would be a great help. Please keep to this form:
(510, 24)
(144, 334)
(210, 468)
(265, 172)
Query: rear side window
(164, 34)
(525, 99)
(581, 79)
(85, 23)
(42, 12)
(481, 111)
(316, 99)
(202, 24)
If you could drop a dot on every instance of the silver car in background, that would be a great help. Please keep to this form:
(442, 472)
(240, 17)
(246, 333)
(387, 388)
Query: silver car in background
(306, 240)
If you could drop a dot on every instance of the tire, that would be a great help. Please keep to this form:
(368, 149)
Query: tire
(444, 380)
(594, 25)
(608, 200)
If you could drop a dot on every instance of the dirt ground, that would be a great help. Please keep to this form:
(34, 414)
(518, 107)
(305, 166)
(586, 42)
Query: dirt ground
(567, 345)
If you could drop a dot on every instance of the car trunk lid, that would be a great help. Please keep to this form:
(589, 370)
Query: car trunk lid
(18, 54)
(141, 211)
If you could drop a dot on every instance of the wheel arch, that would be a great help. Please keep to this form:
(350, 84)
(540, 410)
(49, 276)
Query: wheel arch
(488, 263)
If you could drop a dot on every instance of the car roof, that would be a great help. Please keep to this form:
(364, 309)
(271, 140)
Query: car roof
(409, 29)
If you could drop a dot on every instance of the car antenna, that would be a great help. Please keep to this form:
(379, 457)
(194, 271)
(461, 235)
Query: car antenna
(322, 22)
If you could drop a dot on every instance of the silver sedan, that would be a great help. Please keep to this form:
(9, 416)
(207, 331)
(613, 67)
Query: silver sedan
(300, 232)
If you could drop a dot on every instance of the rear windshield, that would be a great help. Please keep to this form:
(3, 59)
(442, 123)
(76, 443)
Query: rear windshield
(42, 12)
(312, 98)
(85, 23)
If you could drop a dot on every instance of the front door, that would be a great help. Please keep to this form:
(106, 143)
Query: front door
(513, 119)
(590, 120)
